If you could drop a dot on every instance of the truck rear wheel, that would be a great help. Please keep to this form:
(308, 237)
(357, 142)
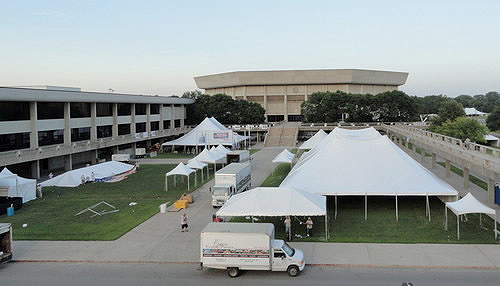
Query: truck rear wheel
(233, 272)
(293, 270)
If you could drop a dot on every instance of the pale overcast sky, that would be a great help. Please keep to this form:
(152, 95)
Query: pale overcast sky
(156, 47)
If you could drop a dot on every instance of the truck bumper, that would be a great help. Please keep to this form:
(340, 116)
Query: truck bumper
(5, 258)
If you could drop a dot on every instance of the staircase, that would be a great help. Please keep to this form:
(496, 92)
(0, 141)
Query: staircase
(282, 135)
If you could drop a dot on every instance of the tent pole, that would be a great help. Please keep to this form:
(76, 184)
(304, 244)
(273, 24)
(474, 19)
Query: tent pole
(458, 227)
(366, 206)
(397, 216)
(428, 207)
(480, 220)
(166, 183)
(175, 180)
(445, 217)
(496, 233)
(188, 181)
(326, 225)
(335, 206)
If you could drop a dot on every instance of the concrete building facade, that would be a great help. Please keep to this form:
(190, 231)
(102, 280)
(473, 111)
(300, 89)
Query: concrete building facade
(281, 93)
(56, 129)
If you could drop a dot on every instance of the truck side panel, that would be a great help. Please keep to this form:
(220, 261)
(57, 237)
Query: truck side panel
(247, 251)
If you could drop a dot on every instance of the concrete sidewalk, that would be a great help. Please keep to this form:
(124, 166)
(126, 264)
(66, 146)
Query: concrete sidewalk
(159, 240)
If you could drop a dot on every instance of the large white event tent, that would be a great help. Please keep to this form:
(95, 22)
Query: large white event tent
(284, 156)
(313, 141)
(271, 201)
(467, 205)
(471, 111)
(364, 163)
(209, 132)
(103, 170)
(195, 164)
(180, 169)
(18, 186)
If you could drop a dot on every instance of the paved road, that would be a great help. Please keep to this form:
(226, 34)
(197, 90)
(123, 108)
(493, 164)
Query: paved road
(75, 274)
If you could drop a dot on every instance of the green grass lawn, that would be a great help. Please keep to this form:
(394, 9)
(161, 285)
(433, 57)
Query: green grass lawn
(53, 217)
(381, 227)
(174, 156)
(278, 175)
(473, 179)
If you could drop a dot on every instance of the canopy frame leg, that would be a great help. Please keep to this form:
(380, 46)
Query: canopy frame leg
(326, 225)
(458, 227)
(335, 206)
(495, 227)
(166, 183)
(445, 217)
(366, 207)
(428, 207)
(397, 215)
(188, 181)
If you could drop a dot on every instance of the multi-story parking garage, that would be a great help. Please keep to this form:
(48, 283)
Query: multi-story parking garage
(54, 129)
(282, 92)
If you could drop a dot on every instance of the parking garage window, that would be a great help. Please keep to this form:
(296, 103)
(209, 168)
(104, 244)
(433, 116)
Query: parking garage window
(105, 109)
(50, 137)
(14, 141)
(79, 109)
(50, 110)
(104, 131)
(12, 111)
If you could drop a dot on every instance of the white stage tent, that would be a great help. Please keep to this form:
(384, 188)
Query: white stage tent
(208, 132)
(18, 186)
(467, 205)
(180, 169)
(103, 170)
(313, 141)
(362, 163)
(263, 201)
(284, 156)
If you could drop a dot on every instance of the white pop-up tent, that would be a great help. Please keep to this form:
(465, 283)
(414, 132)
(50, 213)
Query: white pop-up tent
(209, 132)
(223, 149)
(313, 141)
(467, 205)
(18, 186)
(180, 169)
(218, 154)
(208, 157)
(284, 156)
(371, 165)
(271, 202)
(197, 165)
(73, 178)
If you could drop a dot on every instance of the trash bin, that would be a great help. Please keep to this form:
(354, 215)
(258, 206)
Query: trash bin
(163, 208)
(10, 211)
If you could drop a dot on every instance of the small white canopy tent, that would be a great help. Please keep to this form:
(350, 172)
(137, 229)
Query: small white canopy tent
(195, 164)
(103, 170)
(219, 154)
(284, 156)
(314, 141)
(270, 201)
(180, 169)
(471, 111)
(208, 132)
(466, 205)
(208, 157)
(18, 186)
(223, 149)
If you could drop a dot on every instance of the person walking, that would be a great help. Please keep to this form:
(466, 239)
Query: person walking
(184, 222)
(309, 226)
(288, 227)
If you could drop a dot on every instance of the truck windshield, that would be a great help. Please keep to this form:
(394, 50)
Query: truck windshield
(219, 191)
(288, 249)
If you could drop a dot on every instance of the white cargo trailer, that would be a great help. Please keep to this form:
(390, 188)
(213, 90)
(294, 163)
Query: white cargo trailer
(247, 246)
(232, 179)
(5, 242)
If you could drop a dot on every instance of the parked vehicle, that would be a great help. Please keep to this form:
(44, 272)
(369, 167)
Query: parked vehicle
(232, 179)
(238, 156)
(140, 152)
(120, 157)
(247, 246)
(5, 242)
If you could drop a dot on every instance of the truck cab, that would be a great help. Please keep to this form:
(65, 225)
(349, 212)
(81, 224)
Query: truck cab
(220, 194)
(287, 258)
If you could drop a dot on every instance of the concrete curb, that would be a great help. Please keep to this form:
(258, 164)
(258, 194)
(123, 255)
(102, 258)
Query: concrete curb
(312, 264)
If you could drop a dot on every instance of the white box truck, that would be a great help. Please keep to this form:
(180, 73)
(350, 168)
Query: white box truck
(5, 242)
(238, 156)
(232, 179)
(247, 246)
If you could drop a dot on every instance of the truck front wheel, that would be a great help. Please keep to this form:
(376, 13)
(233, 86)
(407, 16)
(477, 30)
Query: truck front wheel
(233, 272)
(293, 270)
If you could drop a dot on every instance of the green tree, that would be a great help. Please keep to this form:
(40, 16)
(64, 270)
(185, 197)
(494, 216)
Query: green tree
(493, 119)
(192, 94)
(463, 128)
(450, 109)
(465, 100)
